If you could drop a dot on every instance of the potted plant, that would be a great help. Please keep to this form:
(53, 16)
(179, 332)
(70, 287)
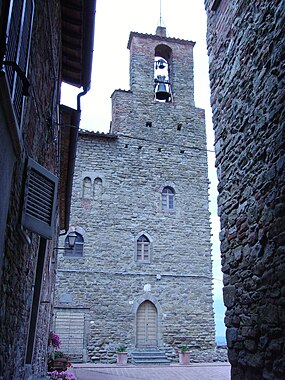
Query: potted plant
(184, 355)
(57, 360)
(122, 355)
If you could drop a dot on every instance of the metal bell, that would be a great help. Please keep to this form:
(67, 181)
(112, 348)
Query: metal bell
(161, 64)
(162, 91)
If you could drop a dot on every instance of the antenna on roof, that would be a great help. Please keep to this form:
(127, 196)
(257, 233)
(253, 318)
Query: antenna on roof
(161, 22)
(160, 30)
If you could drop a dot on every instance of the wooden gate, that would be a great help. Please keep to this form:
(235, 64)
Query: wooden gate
(70, 326)
(146, 325)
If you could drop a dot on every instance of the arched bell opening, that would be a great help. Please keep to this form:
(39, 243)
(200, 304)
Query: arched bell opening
(162, 68)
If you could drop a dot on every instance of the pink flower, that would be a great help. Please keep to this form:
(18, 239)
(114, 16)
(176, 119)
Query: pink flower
(64, 375)
(54, 340)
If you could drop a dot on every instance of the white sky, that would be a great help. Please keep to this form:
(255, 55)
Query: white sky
(114, 21)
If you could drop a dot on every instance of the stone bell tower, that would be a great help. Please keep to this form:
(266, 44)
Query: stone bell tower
(178, 54)
(145, 53)
(143, 272)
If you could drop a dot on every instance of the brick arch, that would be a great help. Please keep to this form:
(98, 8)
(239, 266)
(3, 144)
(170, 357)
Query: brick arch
(163, 51)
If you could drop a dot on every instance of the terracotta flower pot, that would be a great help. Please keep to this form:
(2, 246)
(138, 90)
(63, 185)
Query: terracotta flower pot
(60, 364)
(122, 358)
(184, 358)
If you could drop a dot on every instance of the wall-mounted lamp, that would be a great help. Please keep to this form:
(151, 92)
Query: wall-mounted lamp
(70, 240)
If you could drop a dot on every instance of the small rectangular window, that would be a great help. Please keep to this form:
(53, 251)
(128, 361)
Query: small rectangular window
(215, 5)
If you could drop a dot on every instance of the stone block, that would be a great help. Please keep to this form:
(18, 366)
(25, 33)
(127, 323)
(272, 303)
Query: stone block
(269, 314)
(232, 336)
(229, 295)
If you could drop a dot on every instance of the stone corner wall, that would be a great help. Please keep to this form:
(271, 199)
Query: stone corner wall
(246, 51)
(20, 267)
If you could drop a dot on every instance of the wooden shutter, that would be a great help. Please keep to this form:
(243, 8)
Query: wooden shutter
(38, 213)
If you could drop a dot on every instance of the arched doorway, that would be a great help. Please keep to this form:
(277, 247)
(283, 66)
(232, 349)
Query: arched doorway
(146, 325)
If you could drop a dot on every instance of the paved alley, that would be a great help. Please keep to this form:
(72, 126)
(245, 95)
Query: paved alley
(197, 371)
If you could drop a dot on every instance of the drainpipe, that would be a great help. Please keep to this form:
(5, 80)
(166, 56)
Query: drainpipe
(89, 17)
(72, 156)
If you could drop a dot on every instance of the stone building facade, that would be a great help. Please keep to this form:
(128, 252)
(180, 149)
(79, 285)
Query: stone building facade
(246, 49)
(141, 272)
(37, 138)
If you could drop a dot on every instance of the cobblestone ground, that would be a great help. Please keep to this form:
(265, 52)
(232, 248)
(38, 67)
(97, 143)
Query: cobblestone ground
(205, 371)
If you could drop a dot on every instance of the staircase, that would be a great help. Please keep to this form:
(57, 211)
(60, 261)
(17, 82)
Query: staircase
(149, 357)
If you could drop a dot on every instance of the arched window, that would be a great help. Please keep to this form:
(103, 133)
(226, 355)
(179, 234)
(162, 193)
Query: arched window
(143, 249)
(167, 199)
(77, 250)
(97, 187)
(87, 188)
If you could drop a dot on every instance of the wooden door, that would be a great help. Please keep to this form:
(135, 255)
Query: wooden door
(147, 325)
(69, 325)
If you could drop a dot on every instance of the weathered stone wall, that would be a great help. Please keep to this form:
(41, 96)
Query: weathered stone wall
(39, 141)
(246, 50)
(134, 166)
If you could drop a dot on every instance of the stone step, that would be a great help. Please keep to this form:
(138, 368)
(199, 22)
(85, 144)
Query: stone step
(149, 357)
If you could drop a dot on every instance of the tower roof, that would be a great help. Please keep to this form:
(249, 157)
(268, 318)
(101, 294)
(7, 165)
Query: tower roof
(159, 36)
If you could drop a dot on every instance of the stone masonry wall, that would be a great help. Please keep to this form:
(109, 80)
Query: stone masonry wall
(39, 138)
(180, 254)
(152, 145)
(246, 51)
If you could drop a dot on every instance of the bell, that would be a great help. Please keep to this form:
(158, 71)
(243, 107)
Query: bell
(162, 89)
(161, 64)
